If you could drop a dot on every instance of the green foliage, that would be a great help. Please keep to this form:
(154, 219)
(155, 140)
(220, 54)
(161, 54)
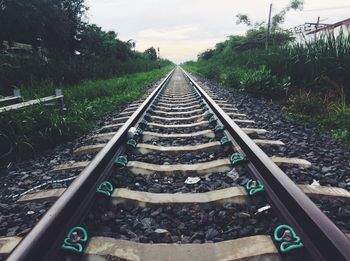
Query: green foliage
(243, 19)
(277, 19)
(256, 39)
(233, 78)
(66, 49)
(71, 71)
(310, 78)
(306, 104)
(53, 24)
(206, 55)
(25, 131)
(261, 83)
(334, 123)
(151, 54)
(318, 67)
(98, 43)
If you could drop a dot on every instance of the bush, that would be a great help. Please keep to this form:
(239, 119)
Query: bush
(233, 78)
(262, 84)
(306, 104)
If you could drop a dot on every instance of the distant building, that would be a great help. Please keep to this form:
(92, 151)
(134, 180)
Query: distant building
(23, 50)
(311, 31)
(8, 45)
(336, 28)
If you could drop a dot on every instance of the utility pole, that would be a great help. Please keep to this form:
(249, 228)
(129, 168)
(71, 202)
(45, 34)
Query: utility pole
(158, 58)
(316, 27)
(268, 28)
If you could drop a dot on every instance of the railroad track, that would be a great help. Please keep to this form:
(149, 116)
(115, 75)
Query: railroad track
(177, 177)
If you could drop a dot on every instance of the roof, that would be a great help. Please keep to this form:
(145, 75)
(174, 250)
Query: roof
(331, 26)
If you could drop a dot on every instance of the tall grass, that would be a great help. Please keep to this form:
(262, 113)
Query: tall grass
(28, 72)
(308, 77)
(24, 132)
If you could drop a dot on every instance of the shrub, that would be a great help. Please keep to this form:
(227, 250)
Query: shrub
(233, 78)
(306, 104)
(261, 83)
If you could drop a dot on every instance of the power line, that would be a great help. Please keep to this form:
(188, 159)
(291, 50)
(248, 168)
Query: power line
(328, 8)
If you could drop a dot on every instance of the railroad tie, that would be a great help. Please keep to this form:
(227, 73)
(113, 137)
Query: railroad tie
(236, 195)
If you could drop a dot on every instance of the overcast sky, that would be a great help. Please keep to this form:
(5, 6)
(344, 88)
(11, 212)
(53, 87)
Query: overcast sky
(183, 28)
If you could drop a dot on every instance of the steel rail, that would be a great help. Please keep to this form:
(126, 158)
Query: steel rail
(43, 241)
(323, 240)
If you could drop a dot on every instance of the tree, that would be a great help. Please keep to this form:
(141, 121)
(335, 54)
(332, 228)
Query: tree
(54, 23)
(206, 55)
(96, 42)
(277, 19)
(243, 19)
(151, 53)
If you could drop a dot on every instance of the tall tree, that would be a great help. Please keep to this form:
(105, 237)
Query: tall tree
(54, 23)
(277, 19)
(151, 53)
(94, 41)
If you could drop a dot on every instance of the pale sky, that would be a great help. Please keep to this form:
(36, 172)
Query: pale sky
(184, 28)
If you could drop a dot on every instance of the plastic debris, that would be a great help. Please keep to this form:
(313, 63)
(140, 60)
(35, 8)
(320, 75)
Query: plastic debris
(161, 231)
(315, 183)
(233, 174)
(192, 180)
(262, 210)
(131, 132)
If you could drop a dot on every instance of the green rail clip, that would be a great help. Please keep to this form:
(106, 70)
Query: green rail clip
(287, 238)
(212, 120)
(208, 115)
(75, 240)
(254, 186)
(225, 140)
(150, 111)
(139, 131)
(236, 158)
(132, 143)
(147, 117)
(218, 128)
(105, 188)
(143, 123)
(121, 161)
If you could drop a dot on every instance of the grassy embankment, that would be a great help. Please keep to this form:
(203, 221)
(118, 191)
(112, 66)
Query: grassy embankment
(38, 127)
(310, 79)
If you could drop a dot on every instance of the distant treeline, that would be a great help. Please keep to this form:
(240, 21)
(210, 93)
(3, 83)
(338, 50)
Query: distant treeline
(65, 48)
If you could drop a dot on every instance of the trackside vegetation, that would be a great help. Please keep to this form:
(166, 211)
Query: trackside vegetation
(309, 78)
(24, 132)
(49, 44)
